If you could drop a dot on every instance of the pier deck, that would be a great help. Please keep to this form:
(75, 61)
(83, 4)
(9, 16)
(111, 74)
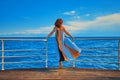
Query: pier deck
(59, 74)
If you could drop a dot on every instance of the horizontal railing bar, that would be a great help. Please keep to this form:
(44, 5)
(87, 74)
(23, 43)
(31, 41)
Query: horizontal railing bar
(97, 38)
(68, 61)
(23, 62)
(21, 56)
(23, 50)
(108, 56)
(81, 38)
(96, 61)
(99, 49)
(97, 53)
(45, 49)
(98, 56)
(24, 39)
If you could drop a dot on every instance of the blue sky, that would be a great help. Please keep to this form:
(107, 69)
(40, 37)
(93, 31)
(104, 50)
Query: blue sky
(34, 18)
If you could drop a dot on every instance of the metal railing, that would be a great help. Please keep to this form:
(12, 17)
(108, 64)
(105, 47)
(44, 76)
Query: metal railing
(74, 62)
(106, 56)
(23, 50)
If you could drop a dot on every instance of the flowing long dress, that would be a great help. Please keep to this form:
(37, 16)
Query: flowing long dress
(67, 49)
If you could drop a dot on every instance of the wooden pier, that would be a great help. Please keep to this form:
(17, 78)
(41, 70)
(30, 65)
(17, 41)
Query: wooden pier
(59, 74)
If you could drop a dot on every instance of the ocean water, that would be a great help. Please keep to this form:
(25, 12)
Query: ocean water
(96, 49)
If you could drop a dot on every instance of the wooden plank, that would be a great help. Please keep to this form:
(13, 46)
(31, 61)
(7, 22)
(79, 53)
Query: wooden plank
(59, 74)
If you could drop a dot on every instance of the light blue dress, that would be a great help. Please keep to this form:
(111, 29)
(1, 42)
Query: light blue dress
(69, 50)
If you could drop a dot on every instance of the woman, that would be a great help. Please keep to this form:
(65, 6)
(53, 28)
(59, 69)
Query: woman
(67, 49)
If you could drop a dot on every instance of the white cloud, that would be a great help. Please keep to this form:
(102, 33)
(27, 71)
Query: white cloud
(41, 30)
(69, 12)
(87, 14)
(75, 26)
(76, 17)
(73, 14)
(103, 21)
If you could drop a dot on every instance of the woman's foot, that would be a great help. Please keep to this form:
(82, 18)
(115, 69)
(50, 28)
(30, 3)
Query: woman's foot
(60, 65)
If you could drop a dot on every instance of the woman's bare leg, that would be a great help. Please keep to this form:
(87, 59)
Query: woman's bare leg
(60, 64)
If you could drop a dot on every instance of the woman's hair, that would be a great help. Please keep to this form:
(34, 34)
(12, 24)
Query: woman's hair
(58, 22)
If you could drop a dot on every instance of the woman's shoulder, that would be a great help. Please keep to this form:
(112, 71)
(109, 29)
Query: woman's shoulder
(63, 27)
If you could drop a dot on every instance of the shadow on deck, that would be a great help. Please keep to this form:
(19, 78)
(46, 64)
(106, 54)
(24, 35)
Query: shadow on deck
(59, 74)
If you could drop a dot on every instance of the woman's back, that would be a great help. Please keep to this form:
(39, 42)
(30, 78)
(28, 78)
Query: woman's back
(59, 34)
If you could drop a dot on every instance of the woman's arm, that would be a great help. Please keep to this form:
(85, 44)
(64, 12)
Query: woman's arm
(51, 33)
(68, 33)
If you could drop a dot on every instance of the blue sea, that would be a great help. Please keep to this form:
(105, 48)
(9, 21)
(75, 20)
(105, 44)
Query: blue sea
(92, 51)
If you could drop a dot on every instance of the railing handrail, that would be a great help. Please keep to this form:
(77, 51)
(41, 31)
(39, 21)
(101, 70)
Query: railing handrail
(31, 38)
(23, 50)
(97, 38)
(25, 39)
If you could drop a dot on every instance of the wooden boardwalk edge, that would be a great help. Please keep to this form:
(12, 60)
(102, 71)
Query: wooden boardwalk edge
(59, 74)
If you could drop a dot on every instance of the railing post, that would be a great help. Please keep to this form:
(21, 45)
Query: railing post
(119, 55)
(74, 63)
(46, 53)
(2, 54)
